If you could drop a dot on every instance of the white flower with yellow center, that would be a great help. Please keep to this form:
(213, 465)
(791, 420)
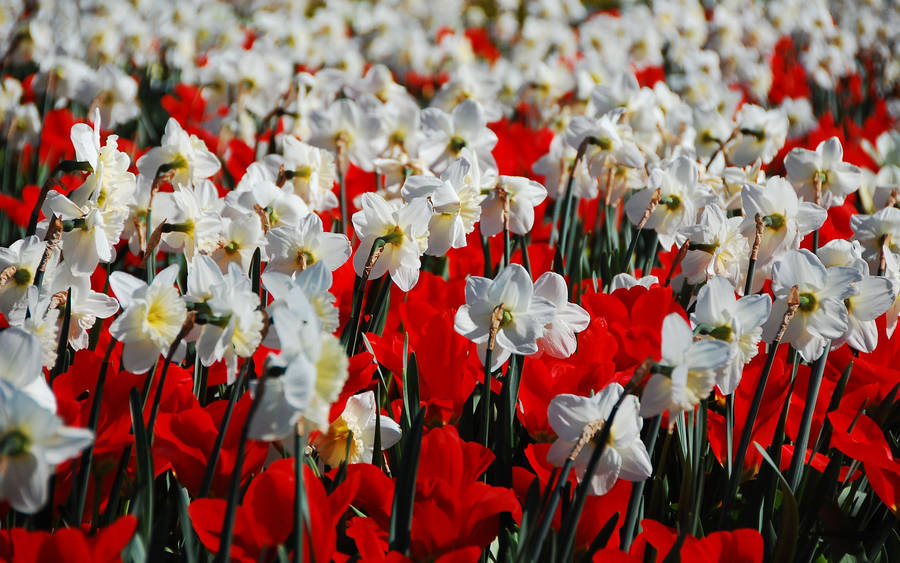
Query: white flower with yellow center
(184, 155)
(18, 266)
(685, 374)
(721, 316)
(456, 199)
(153, 315)
(33, 441)
(405, 235)
(351, 437)
(625, 456)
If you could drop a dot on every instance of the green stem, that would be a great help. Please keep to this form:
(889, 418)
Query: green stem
(795, 473)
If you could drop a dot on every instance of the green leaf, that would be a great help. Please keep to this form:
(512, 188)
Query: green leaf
(786, 546)
(144, 495)
(405, 489)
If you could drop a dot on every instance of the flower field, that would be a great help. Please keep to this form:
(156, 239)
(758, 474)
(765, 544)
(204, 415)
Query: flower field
(457, 281)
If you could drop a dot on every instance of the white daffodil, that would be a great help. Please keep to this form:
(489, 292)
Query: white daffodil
(256, 194)
(521, 196)
(826, 168)
(405, 232)
(447, 134)
(738, 322)
(347, 131)
(608, 142)
(624, 457)
(241, 237)
(152, 318)
(194, 225)
(881, 229)
(558, 339)
(785, 219)
(717, 248)
(43, 322)
(232, 325)
(21, 365)
(90, 233)
(314, 367)
(86, 305)
(33, 441)
(681, 195)
(558, 164)
(822, 315)
(524, 314)
(114, 184)
(315, 282)
(185, 155)
(873, 295)
(313, 173)
(291, 249)
(760, 133)
(18, 266)
(690, 368)
(456, 200)
(627, 281)
(351, 437)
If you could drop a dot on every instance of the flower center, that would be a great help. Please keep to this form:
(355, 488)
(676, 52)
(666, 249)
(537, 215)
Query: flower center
(808, 302)
(774, 221)
(22, 277)
(672, 202)
(13, 443)
(457, 144)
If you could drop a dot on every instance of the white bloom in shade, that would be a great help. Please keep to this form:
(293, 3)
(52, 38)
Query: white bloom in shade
(351, 437)
(871, 230)
(522, 195)
(186, 155)
(524, 314)
(314, 368)
(293, 248)
(892, 273)
(86, 305)
(43, 322)
(20, 365)
(456, 199)
(627, 281)
(346, 130)
(405, 231)
(610, 143)
(110, 177)
(786, 220)
(625, 456)
(257, 188)
(93, 232)
(241, 236)
(314, 282)
(557, 164)
(558, 339)
(33, 441)
(447, 134)
(837, 179)
(24, 256)
(153, 316)
(717, 247)
(873, 295)
(691, 368)
(195, 226)
(822, 315)
(234, 327)
(760, 134)
(681, 195)
(738, 322)
(313, 175)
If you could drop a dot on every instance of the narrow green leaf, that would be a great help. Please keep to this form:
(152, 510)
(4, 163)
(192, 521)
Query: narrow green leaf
(786, 545)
